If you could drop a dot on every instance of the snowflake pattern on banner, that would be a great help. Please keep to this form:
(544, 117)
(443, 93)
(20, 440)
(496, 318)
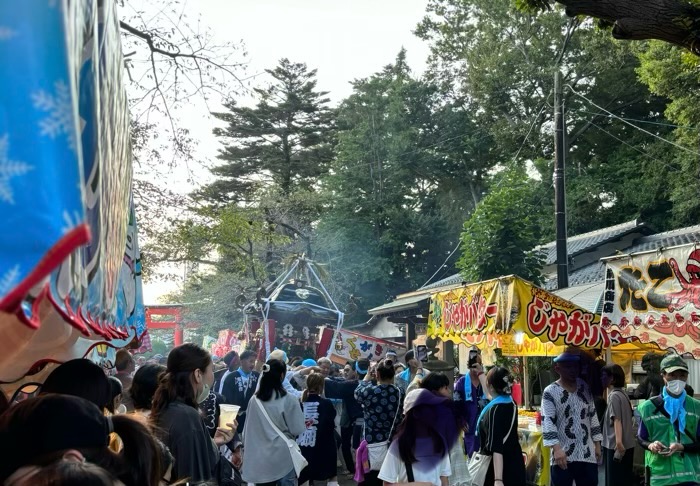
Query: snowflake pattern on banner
(9, 280)
(40, 170)
(6, 33)
(308, 437)
(71, 220)
(9, 169)
(60, 119)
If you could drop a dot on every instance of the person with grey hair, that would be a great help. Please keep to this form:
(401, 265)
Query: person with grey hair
(324, 364)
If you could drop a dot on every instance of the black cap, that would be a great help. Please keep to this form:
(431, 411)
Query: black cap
(47, 424)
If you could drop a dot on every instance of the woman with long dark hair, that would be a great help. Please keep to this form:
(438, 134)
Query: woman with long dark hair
(497, 427)
(317, 442)
(267, 458)
(449, 424)
(42, 430)
(419, 453)
(175, 415)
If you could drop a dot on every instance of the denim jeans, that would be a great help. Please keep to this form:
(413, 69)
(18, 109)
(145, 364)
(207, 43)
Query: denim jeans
(584, 473)
(290, 479)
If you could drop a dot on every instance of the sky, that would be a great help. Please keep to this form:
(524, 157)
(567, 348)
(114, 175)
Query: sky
(343, 40)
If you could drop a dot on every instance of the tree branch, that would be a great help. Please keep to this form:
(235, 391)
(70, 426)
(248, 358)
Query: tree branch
(674, 21)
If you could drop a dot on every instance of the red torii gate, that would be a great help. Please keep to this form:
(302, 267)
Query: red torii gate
(170, 318)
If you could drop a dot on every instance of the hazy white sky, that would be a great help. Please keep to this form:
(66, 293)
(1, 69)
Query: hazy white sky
(343, 40)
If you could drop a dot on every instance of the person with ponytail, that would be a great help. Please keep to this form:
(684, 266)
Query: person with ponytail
(497, 427)
(317, 442)
(268, 460)
(175, 415)
(52, 427)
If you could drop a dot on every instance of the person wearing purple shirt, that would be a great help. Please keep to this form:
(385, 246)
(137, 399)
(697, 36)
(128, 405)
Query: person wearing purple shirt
(472, 399)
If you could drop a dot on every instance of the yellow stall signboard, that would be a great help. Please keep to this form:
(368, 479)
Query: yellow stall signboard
(510, 305)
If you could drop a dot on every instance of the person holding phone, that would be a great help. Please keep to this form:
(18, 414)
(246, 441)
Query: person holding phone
(669, 429)
(414, 370)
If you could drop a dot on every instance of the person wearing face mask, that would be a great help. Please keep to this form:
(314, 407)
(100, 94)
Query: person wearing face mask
(669, 429)
(176, 418)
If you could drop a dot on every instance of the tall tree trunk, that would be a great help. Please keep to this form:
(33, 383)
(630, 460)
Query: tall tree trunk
(674, 21)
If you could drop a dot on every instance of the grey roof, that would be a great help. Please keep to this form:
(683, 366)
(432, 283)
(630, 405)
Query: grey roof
(403, 303)
(586, 296)
(575, 246)
(451, 280)
(582, 243)
(595, 272)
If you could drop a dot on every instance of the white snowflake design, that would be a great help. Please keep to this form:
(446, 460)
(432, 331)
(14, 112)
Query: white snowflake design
(6, 33)
(9, 280)
(8, 170)
(70, 221)
(59, 106)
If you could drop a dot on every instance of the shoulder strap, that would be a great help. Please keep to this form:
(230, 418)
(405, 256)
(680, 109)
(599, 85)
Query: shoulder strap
(269, 420)
(515, 414)
(626, 397)
(398, 405)
(658, 402)
(409, 472)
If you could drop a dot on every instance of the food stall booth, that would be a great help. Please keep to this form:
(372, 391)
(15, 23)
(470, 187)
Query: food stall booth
(520, 319)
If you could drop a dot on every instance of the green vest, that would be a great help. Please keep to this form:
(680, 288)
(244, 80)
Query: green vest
(679, 467)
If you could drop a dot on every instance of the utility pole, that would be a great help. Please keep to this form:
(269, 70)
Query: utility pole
(559, 182)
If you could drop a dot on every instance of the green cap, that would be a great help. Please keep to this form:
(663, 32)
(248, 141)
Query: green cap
(672, 363)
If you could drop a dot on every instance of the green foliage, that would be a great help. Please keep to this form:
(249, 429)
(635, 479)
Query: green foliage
(672, 72)
(285, 141)
(386, 229)
(499, 61)
(498, 239)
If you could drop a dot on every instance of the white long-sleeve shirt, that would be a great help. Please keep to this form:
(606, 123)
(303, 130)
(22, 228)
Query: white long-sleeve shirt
(570, 420)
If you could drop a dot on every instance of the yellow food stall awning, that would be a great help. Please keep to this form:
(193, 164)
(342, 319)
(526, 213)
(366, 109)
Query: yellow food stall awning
(512, 310)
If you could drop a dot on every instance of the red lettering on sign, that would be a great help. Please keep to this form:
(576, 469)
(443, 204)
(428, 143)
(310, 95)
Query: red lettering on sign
(537, 315)
(465, 315)
(577, 328)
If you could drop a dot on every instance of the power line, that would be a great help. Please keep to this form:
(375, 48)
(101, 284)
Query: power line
(515, 158)
(685, 127)
(633, 125)
(671, 168)
(459, 242)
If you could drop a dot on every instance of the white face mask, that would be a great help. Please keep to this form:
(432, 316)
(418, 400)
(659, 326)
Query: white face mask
(204, 393)
(675, 387)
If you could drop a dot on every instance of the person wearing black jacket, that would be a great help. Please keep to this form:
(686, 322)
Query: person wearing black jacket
(651, 385)
(239, 386)
(351, 426)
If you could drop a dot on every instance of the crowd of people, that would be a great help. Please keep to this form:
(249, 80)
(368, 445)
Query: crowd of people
(300, 421)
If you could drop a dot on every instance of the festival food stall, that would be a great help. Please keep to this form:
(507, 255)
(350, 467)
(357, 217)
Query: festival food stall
(70, 269)
(522, 320)
(655, 297)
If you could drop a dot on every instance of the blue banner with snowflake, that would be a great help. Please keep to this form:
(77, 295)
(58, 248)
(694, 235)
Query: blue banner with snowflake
(41, 190)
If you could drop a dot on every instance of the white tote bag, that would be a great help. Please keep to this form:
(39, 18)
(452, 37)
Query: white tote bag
(298, 458)
(377, 451)
(479, 463)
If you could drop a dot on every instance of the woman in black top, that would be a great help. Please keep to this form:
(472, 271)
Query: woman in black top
(498, 432)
